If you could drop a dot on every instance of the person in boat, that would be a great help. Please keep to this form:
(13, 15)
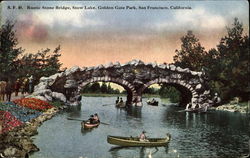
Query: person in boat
(117, 100)
(143, 137)
(121, 101)
(91, 119)
(153, 100)
(96, 118)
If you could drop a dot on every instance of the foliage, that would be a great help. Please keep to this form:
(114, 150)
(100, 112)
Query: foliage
(229, 71)
(226, 67)
(170, 92)
(191, 54)
(151, 90)
(97, 88)
(14, 64)
(43, 63)
(8, 51)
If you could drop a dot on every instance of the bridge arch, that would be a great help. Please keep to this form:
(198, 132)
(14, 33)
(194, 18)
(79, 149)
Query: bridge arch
(180, 85)
(131, 91)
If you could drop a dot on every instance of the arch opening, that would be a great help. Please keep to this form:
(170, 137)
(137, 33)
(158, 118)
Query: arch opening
(176, 93)
(107, 88)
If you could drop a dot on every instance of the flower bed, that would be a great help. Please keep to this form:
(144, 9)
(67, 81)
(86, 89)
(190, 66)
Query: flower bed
(32, 103)
(8, 121)
(22, 113)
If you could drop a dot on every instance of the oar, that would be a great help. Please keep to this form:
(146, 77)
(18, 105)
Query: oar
(107, 104)
(86, 120)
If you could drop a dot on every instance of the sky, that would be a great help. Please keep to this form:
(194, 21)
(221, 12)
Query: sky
(89, 37)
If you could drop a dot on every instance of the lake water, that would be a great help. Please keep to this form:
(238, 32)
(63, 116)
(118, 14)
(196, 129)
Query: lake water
(214, 134)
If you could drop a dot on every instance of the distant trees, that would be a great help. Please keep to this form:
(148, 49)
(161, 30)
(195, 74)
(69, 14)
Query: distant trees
(97, 88)
(15, 64)
(43, 63)
(227, 67)
(170, 92)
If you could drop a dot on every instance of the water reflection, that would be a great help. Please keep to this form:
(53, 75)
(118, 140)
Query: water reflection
(143, 152)
(134, 111)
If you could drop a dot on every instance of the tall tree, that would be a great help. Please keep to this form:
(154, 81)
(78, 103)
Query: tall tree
(233, 63)
(8, 51)
(191, 53)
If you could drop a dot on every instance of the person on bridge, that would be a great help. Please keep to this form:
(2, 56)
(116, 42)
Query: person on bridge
(143, 137)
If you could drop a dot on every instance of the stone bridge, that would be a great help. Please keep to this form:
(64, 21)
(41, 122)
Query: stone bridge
(134, 76)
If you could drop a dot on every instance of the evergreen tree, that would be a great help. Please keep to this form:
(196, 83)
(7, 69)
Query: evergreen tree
(230, 72)
(9, 52)
(191, 53)
(104, 88)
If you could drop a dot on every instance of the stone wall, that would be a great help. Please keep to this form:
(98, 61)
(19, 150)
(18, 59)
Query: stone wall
(134, 76)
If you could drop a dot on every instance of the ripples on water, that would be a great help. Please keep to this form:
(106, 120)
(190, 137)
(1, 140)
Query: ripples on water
(214, 134)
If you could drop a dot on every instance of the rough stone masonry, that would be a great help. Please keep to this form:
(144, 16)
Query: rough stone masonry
(134, 76)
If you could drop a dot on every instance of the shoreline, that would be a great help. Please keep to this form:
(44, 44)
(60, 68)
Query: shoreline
(18, 142)
(235, 108)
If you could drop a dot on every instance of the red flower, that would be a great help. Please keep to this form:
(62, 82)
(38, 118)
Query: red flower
(33, 103)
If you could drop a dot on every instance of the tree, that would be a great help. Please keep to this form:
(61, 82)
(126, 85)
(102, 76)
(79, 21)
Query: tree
(43, 63)
(8, 52)
(104, 88)
(191, 53)
(230, 72)
(170, 92)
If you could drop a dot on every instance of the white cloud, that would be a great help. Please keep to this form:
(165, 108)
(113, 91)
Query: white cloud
(197, 18)
(66, 18)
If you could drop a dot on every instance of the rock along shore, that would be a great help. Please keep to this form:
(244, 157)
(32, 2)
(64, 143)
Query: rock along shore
(233, 108)
(17, 143)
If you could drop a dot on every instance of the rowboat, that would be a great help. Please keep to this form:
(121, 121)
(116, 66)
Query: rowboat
(87, 125)
(197, 110)
(135, 142)
(154, 103)
(120, 105)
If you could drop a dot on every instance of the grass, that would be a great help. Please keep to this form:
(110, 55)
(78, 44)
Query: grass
(56, 103)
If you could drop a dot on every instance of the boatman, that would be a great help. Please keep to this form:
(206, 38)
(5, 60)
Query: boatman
(96, 118)
(91, 119)
(143, 137)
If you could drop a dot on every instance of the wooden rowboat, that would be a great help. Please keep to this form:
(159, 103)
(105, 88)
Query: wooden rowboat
(135, 142)
(121, 105)
(87, 125)
(155, 103)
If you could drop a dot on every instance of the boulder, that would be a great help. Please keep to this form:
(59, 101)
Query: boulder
(59, 96)
(72, 70)
(70, 84)
(172, 67)
(162, 66)
(41, 92)
(39, 97)
(198, 86)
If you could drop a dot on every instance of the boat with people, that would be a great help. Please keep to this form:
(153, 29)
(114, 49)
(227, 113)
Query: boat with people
(92, 122)
(152, 102)
(87, 125)
(197, 110)
(120, 105)
(135, 141)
